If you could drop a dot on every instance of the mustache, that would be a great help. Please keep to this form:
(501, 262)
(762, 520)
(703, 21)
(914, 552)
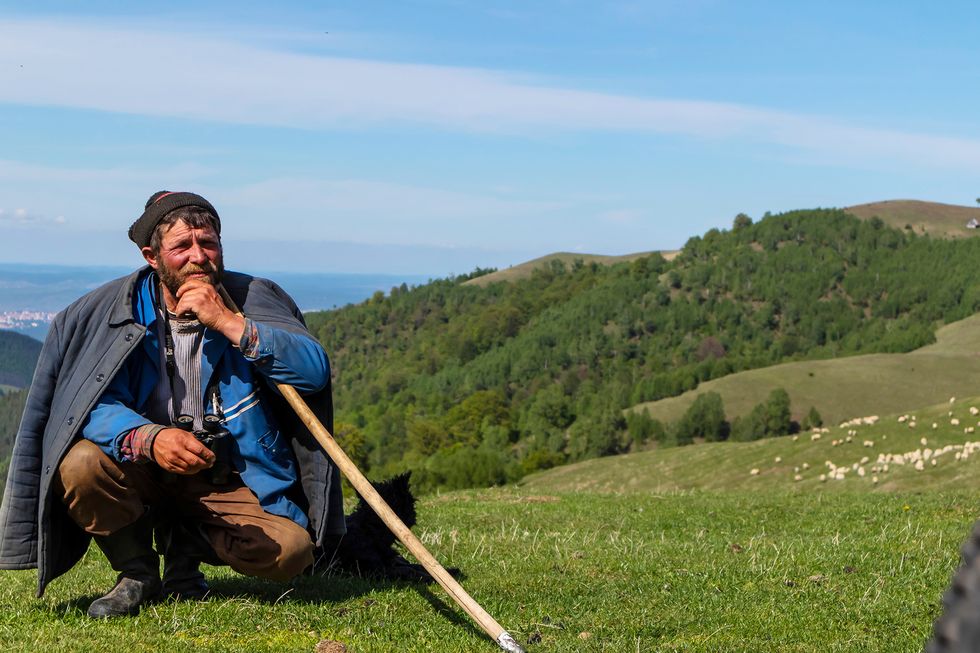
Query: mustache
(194, 268)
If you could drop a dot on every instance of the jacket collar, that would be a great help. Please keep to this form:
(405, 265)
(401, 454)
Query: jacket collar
(124, 308)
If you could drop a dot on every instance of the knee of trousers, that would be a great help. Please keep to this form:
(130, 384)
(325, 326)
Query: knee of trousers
(279, 556)
(95, 491)
(84, 466)
(296, 554)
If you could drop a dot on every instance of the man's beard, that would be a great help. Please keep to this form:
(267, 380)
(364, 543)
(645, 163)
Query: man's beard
(174, 279)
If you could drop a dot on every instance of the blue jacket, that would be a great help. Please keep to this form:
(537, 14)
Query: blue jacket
(97, 342)
(257, 449)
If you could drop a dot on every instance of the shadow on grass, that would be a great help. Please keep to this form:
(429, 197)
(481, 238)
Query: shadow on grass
(451, 613)
(325, 588)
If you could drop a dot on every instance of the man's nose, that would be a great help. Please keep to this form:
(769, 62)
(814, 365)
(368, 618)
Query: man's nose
(197, 254)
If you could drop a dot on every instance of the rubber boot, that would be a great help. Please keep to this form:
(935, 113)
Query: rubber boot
(184, 548)
(130, 552)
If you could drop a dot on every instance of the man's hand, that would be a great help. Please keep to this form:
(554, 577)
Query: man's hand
(199, 297)
(177, 451)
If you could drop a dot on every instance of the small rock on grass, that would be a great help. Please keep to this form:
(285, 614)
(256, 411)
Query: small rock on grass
(330, 646)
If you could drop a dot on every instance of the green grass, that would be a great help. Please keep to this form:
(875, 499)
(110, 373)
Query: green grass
(609, 555)
(616, 554)
(680, 571)
(843, 388)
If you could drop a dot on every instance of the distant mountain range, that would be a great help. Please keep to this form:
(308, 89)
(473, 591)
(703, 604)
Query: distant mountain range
(49, 288)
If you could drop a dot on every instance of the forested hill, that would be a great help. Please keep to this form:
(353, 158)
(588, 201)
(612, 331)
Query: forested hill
(18, 356)
(473, 385)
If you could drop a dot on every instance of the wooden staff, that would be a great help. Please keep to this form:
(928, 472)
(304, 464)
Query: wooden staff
(388, 516)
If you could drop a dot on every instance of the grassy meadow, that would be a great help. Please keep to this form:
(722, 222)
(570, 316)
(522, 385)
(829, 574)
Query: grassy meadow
(676, 571)
(936, 219)
(614, 554)
(841, 388)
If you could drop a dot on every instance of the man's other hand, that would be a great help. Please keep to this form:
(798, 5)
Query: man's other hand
(177, 451)
(198, 297)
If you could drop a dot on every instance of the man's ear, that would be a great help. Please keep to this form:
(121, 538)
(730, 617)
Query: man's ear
(150, 257)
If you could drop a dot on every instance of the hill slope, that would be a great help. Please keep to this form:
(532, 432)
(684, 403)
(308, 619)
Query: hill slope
(938, 435)
(524, 270)
(856, 385)
(934, 218)
(18, 357)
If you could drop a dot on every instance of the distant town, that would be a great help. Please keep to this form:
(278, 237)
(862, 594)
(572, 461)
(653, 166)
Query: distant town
(21, 320)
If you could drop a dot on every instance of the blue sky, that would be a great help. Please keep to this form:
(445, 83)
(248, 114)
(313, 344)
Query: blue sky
(431, 137)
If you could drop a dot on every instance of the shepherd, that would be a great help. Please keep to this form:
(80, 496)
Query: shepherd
(154, 411)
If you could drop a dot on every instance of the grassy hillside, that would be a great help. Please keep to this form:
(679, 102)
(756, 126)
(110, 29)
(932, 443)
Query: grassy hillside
(858, 385)
(524, 270)
(728, 465)
(934, 218)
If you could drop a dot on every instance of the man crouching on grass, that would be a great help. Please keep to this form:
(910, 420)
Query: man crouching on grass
(153, 408)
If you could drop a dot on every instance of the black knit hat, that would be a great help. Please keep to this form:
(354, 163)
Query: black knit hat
(158, 206)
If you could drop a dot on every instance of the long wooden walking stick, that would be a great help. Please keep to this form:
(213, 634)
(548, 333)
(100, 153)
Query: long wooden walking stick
(388, 516)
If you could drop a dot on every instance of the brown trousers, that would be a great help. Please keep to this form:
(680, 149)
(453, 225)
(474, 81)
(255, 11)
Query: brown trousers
(103, 495)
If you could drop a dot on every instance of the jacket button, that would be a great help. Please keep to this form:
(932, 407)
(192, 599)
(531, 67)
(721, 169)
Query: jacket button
(71, 420)
(129, 337)
(100, 378)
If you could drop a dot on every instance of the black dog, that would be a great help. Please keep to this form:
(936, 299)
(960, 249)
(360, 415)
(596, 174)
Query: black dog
(368, 548)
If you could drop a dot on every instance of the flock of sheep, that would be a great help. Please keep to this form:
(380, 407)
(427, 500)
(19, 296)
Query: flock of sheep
(875, 467)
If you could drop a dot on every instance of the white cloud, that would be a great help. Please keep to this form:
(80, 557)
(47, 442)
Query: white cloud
(355, 210)
(21, 217)
(366, 211)
(163, 72)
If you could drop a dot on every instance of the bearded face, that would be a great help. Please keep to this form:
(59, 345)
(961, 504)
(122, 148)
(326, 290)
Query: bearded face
(187, 253)
(173, 278)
